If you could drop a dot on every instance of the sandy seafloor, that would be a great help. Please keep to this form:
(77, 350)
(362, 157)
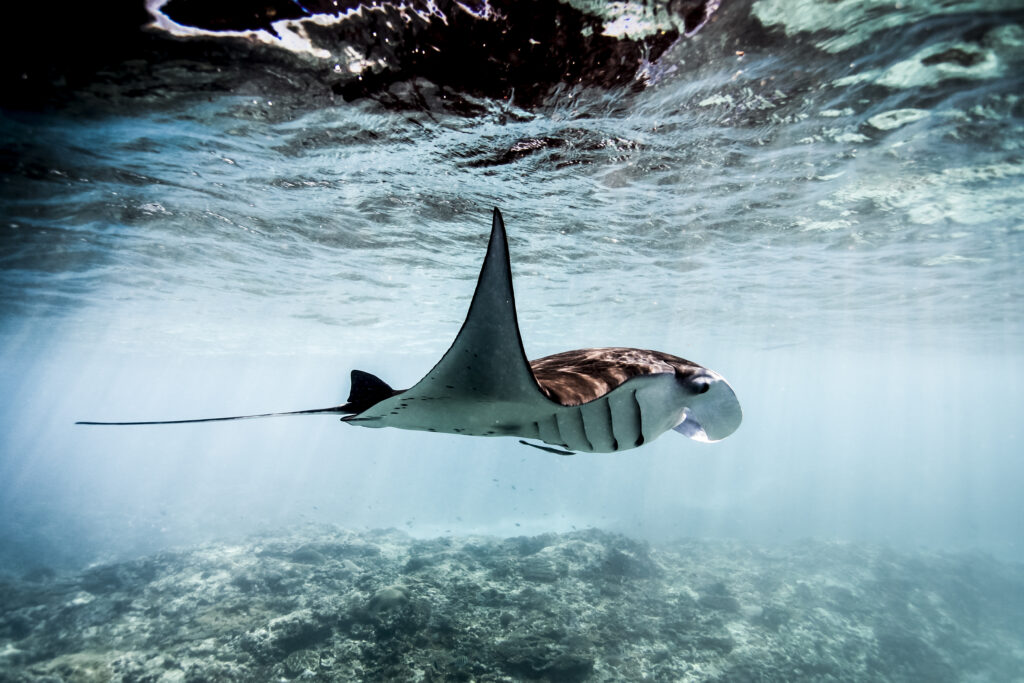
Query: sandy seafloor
(322, 603)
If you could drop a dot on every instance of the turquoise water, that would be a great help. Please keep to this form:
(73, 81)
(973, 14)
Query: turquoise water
(830, 220)
(822, 202)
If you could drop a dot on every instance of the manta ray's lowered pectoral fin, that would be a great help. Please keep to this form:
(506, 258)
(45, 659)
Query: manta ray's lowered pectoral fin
(549, 449)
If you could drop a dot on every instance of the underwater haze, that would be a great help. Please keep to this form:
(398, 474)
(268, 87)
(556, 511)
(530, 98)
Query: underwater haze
(207, 214)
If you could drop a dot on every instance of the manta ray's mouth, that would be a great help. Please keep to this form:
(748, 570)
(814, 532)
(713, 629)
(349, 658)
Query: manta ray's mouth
(714, 414)
(690, 428)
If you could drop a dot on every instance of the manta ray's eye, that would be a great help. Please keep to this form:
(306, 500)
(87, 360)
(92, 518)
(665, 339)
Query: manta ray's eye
(701, 385)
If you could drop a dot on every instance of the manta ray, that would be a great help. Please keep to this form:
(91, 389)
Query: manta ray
(590, 400)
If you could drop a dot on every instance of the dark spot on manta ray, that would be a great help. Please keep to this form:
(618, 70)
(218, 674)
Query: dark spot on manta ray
(592, 400)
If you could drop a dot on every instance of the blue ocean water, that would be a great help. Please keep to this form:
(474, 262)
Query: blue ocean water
(830, 218)
(822, 202)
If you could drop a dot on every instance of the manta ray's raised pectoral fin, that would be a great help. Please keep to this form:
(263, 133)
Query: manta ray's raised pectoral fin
(483, 385)
(486, 362)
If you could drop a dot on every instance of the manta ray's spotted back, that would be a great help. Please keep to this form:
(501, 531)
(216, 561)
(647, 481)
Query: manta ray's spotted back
(600, 400)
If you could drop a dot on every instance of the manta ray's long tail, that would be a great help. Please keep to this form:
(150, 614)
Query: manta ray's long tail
(367, 390)
(343, 410)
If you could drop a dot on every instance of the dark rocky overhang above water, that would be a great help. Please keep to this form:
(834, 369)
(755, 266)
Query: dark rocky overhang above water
(502, 49)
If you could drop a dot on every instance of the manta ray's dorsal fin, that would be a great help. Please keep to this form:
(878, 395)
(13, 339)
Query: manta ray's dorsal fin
(486, 360)
(367, 390)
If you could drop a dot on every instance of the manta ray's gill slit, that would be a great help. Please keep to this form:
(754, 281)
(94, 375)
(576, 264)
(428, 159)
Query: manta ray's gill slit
(639, 420)
(571, 426)
(597, 423)
(589, 431)
(611, 424)
(548, 430)
(597, 426)
(558, 432)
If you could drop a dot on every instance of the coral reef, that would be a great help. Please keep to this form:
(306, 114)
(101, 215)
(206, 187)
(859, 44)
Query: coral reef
(325, 604)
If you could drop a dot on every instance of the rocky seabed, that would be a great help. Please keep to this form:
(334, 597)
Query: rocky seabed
(326, 604)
